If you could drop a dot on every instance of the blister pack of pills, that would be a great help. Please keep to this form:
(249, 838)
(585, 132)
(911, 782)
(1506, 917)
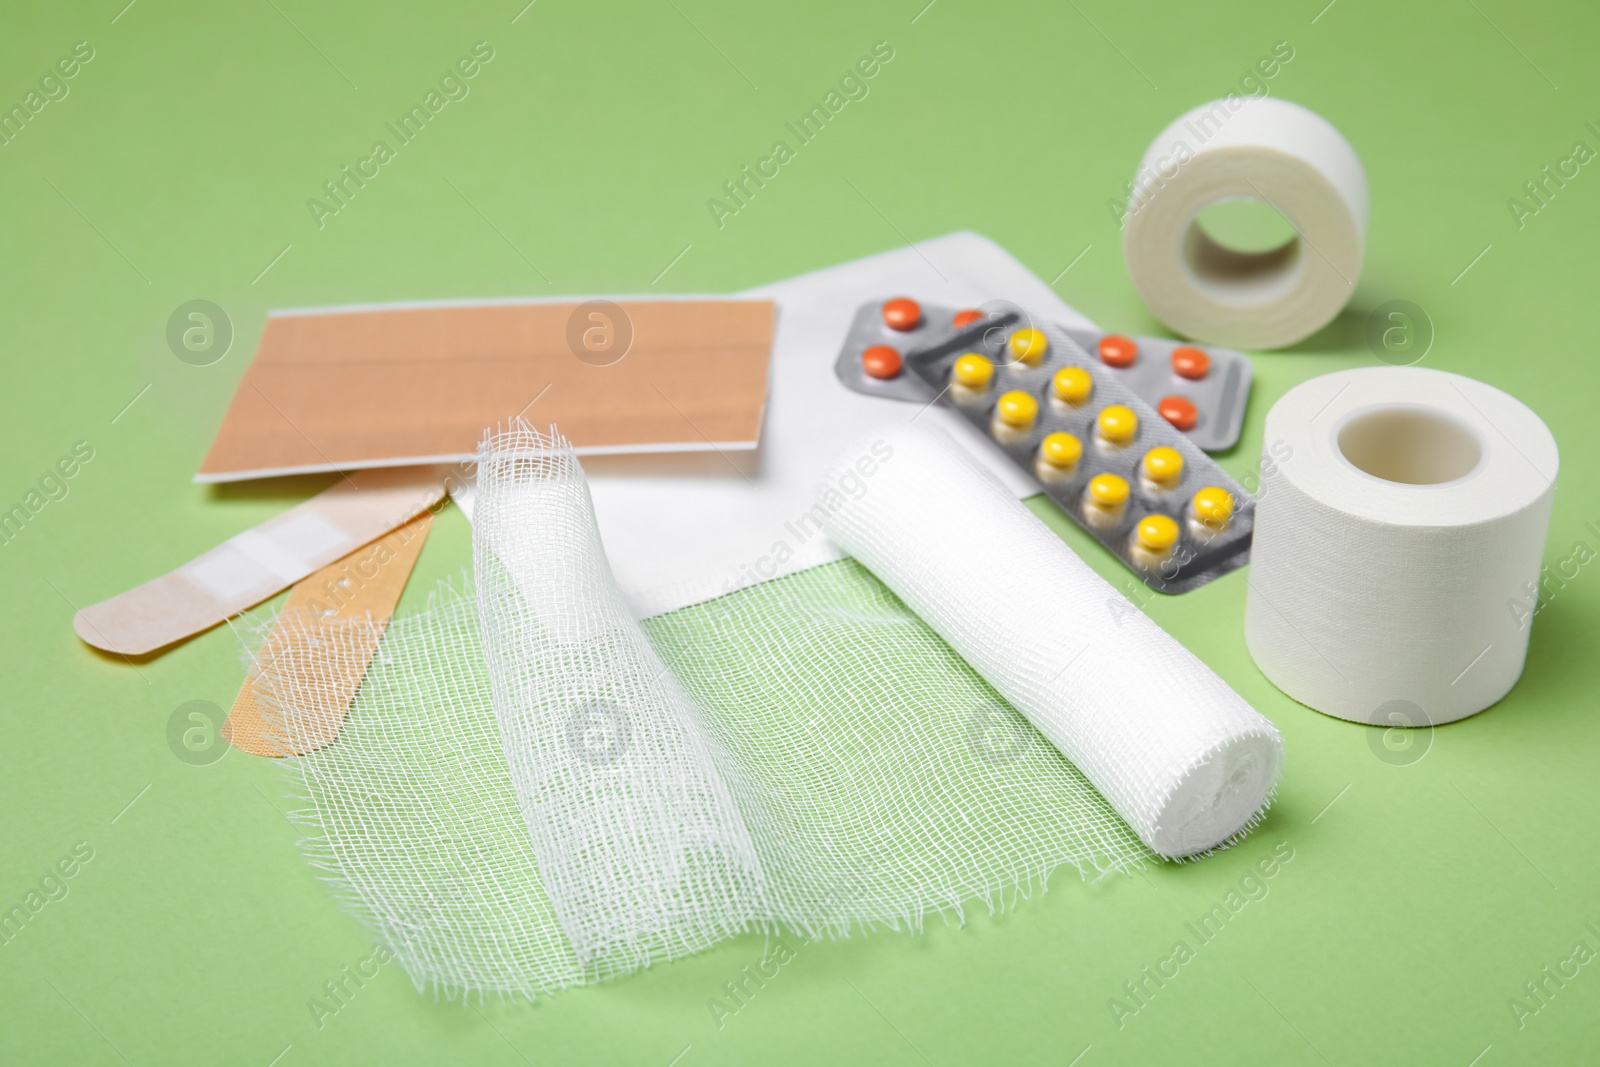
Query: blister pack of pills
(1132, 479)
(1202, 390)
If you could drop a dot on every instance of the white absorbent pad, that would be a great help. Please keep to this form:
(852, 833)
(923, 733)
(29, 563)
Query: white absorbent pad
(652, 510)
(533, 790)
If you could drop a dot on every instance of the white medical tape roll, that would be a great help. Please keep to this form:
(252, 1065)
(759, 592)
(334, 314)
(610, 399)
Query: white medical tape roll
(1180, 756)
(1398, 538)
(1256, 148)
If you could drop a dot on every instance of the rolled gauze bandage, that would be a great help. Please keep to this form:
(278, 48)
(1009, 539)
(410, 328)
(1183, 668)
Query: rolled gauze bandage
(1179, 755)
(1399, 531)
(1247, 148)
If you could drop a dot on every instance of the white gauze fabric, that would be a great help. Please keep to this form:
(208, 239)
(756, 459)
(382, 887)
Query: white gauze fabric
(640, 845)
(532, 791)
(1178, 753)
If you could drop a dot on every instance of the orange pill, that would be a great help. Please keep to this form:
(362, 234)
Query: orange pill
(1117, 350)
(1178, 410)
(1190, 362)
(966, 318)
(881, 362)
(902, 313)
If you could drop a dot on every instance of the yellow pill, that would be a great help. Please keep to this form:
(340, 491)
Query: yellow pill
(1028, 345)
(1060, 450)
(1156, 533)
(1164, 466)
(1017, 409)
(1108, 490)
(1118, 424)
(1213, 506)
(973, 371)
(1072, 385)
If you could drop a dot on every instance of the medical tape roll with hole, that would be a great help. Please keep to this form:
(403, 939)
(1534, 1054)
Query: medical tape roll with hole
(1181, 757)
(1256, 148)
(1400, 526)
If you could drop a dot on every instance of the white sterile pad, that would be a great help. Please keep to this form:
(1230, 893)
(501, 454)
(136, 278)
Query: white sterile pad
(259, 556)
(1258, 149)
(1178, 753)
(1400, 523)
(679, 530)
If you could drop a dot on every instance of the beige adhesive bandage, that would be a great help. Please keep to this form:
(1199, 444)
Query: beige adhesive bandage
(363, 585)
(395, 385)
(260, 562)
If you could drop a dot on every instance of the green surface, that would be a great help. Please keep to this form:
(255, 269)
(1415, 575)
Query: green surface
(1422, 893)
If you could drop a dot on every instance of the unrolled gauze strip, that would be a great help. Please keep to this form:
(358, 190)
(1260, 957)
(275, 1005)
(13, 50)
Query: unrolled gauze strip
(641, 847)
(1178, 753)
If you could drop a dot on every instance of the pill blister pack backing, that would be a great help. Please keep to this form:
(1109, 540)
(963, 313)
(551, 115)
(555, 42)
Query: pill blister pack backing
(1136, 483)
(1201, 389)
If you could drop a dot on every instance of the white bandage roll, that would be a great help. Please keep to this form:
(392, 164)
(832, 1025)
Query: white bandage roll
(1180, 756)
(1398, 538)
(1247, 148)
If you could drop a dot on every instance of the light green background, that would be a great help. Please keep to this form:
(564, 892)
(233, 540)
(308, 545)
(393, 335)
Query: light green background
(1420, 897)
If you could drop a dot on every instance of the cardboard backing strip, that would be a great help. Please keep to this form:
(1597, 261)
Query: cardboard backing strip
(261, 562)
(365, 584)
(382, 386)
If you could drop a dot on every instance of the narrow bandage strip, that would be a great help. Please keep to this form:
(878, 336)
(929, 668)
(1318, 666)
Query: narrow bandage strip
(363, 585)
(258, 563)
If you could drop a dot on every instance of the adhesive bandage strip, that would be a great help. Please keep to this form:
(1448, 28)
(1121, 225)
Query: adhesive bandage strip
(258, 563)
(366, 584)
